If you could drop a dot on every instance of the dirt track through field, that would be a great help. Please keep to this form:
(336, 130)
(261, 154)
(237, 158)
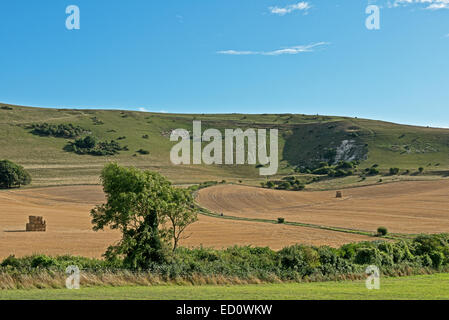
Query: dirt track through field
(403, 207)
(69, 230)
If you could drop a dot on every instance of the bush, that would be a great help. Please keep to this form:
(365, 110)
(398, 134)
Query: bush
(394, 171)
(345, 165)
(323, 170)
(284, 185)
(13, 175)
(143, 152)
(281, 220)
(57, 130)
(89, 145)
(270, 184)
(299, 258)
(421, 169)
(88, 142)
(382, 231)
(372, 171)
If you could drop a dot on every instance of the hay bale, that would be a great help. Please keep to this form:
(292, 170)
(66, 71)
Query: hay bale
(339, 194)
(36, 224)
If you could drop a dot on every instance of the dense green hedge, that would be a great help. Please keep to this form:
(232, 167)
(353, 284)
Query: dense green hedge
(291, 263)
(57, 130)
(89, 145)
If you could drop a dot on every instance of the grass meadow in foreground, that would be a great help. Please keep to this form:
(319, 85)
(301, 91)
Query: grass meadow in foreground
(426, 287)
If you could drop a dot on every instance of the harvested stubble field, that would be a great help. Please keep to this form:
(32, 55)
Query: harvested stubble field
(403, 207)
(69, 230)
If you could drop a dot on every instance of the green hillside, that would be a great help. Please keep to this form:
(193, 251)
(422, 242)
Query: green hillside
(304, 141)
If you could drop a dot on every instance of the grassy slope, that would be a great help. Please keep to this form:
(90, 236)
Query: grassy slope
(301, 136)
(417, 287)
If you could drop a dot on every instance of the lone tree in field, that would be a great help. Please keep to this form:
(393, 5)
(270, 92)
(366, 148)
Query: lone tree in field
(13, 175)
(139, 204)
(179, 215)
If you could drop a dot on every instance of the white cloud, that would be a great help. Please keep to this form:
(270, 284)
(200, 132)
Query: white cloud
(289, 50)
(282, 11)
(143, 110)
(427, 4)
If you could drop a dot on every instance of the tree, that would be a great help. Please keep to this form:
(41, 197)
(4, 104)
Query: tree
(180, 215)
(421, 169)
(12, 175)
(138, 203)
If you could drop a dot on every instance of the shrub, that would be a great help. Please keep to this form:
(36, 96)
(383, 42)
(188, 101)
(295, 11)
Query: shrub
(88, 142)
(345, 165)
(367, 255)
(299, 258)
(281, 220)
(421, 169)
(382, 231)
(143, 152)
(89, 145)
(323, 170)
(57, 130)
(372, 171)
(13, 175)
(394, 171)
(284, 185)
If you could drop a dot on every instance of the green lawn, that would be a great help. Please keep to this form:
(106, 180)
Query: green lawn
(416, 288)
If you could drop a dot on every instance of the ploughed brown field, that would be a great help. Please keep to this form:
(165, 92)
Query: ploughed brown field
(402, 207)
(407, 207)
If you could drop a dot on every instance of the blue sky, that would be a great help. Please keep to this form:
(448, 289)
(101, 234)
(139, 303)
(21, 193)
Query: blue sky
(216, 56)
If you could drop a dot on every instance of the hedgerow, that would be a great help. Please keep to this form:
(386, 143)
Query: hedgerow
(292, 263)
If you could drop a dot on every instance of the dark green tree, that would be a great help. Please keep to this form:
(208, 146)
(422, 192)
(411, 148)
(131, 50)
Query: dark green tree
(13, 175)
(138, 203)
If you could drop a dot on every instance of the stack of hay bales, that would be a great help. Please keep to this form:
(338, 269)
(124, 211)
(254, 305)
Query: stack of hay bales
(36, 224)
(339, 194)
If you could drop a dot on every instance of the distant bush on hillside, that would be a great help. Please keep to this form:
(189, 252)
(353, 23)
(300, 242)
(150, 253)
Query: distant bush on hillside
(382, 231)
(372, 171)
(97, 121)
(13, 175)
(89, 145)
(288, 183)
(143, 152)
(394, 171)
(5, 108)
(57, 130)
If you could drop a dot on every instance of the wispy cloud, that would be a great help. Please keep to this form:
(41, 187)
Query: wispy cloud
(427, 4)
(278, 52)
(282, 11)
